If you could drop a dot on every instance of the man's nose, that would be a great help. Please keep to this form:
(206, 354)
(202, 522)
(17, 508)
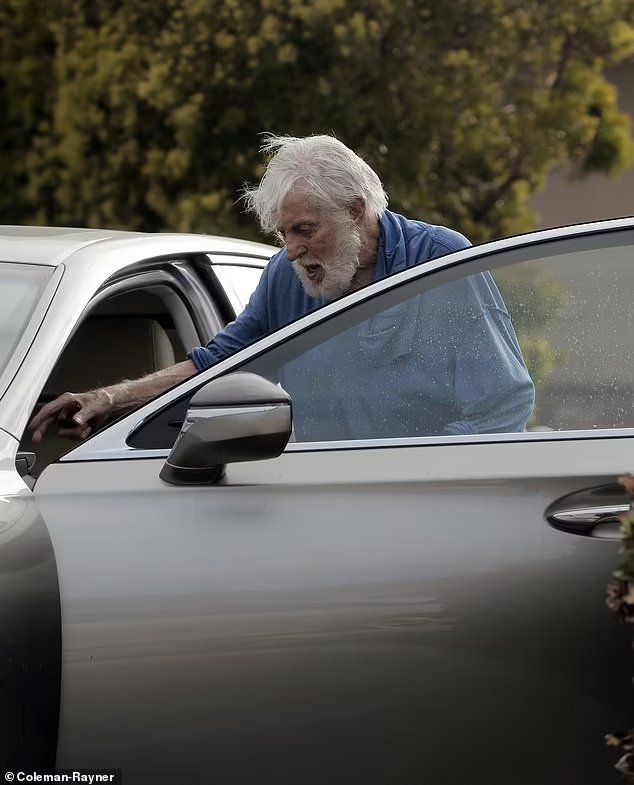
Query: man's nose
(294, 249)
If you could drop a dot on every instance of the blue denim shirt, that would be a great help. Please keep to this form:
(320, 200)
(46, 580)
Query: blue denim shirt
(446, 361)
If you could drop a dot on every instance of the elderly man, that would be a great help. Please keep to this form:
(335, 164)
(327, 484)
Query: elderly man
(329, 209)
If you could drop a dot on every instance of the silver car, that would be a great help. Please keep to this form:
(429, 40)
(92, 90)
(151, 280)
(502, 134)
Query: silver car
(195, 595)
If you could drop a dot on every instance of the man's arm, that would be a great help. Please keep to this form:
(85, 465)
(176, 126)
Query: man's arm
(493, 389)
(77, 414)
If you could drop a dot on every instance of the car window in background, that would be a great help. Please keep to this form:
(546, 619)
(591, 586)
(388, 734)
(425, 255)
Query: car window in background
(239, 282)
(21, 286)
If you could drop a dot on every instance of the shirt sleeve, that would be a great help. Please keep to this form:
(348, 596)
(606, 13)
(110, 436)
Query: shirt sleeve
(250, 325)
(493, 389)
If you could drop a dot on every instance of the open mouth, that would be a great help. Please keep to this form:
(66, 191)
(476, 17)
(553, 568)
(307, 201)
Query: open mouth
(312, 270)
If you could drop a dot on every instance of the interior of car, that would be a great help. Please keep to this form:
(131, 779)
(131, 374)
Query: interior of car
(126, 336)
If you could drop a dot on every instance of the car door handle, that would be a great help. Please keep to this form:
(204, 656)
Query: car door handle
(591, 512)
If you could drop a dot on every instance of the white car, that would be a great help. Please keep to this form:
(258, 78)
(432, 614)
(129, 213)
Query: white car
(193, 595)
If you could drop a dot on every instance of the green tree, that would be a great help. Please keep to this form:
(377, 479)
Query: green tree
(27, 90)
(147, 115)
(534, 298)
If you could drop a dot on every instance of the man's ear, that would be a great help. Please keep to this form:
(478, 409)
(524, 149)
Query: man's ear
(357, 211)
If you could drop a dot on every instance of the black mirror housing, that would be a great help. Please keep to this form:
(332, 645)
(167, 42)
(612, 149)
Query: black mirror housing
(238, 417)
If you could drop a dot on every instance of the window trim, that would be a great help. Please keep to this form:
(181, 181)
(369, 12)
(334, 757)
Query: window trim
(145, 280)
(110, 444)
(117, 453)
(174, 273)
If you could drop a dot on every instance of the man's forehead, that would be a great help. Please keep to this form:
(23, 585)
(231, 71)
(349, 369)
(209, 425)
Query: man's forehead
(298, 199)
(299, 208)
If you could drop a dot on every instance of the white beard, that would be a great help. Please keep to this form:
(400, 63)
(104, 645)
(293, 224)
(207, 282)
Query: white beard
(340, 269)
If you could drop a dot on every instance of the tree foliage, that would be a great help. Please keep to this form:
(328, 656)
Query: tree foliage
(147, 115)
(534, 298)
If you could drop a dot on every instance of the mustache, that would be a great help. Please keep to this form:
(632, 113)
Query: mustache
(337, 269)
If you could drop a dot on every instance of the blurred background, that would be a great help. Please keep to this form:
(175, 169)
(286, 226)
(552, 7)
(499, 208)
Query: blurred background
(568, 200)
(491, 116)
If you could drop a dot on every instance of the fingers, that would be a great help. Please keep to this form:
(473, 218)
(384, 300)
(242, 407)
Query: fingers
(76, 414)
(63, 407)
(71, 429)
(78, 433)
(88, 410)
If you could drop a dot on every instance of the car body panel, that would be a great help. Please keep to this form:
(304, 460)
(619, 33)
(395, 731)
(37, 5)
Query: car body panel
(30, 625)
(291, 617)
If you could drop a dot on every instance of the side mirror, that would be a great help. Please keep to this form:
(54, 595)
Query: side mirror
(238, 417)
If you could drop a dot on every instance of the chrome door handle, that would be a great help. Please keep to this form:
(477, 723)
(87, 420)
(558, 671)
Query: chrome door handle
(592, 512)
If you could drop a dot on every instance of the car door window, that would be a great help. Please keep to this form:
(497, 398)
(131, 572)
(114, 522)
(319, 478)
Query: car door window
(533, 338)
(238, 282)
(537, 344)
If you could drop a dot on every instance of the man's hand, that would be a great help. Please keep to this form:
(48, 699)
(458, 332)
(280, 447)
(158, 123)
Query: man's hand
(76, 414)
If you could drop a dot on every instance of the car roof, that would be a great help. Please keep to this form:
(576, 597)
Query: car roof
(53, 245)
(57, 245)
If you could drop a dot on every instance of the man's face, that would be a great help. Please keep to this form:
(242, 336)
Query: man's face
(322, 245)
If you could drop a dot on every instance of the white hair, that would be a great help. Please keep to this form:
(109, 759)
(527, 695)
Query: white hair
(328, 172)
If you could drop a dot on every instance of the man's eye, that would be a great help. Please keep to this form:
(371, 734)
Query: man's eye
(305, 231)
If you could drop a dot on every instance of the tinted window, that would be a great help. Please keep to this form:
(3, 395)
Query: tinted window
(462, 357)
(536, 338)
